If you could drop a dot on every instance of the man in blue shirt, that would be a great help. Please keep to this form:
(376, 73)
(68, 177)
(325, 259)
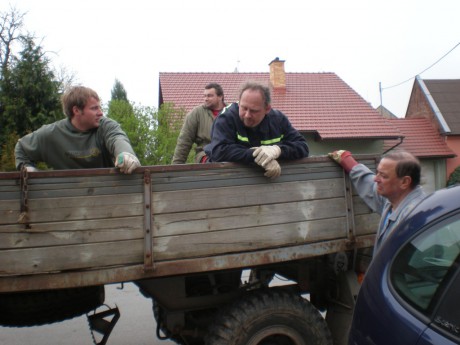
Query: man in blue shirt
(393, 191)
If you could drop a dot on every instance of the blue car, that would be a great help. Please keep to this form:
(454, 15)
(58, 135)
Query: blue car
(411, 292)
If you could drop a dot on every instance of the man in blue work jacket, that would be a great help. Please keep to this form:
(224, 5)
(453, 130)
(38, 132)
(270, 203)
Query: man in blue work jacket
(251, 131)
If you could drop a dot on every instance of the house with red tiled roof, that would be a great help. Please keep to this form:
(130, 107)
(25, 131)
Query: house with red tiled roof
(438, 101)
(422, 140)
(327, 111)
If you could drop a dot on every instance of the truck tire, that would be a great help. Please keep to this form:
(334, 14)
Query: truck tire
(24, 309)
(270, 318)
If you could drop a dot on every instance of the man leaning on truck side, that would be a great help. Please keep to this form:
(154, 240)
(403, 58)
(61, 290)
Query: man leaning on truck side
(85, 139)
(252, 131)
(392, 192)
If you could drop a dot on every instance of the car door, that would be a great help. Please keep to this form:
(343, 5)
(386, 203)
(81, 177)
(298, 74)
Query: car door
(425, 277)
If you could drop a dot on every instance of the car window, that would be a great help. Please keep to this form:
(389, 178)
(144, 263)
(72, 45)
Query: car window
(420, 267)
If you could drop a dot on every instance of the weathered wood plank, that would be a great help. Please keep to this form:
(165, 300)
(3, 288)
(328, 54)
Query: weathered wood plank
(248, 239)
(99, 255)
(238, 176)
(86, 202)
(95, 221)
(171, 224)
(126, 273)
(213, 198)
(366, 223)
(63, 258)
(63, 234)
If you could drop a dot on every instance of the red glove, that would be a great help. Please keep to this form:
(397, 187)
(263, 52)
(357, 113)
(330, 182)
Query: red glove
(344, 158)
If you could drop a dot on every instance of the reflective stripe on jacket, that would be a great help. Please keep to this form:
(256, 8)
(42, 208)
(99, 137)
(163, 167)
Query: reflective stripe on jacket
(231, 141)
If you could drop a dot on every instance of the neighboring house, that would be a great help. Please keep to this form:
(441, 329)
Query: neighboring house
(439, 102)
(423, 141)
(385, 112)
(328, 112)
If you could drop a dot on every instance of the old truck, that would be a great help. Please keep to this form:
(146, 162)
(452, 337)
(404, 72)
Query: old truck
(204, 242)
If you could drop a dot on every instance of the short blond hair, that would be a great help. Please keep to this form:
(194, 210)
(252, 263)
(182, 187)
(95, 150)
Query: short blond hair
(77, 96)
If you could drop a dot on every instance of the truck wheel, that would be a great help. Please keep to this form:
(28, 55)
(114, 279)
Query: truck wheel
(24, 309)
(270, 318)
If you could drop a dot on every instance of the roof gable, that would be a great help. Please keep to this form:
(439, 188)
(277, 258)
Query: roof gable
(313, 102)
(446, 94)
(420, 138)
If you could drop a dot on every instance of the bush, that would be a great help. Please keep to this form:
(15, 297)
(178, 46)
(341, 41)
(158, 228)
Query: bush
(454, 178)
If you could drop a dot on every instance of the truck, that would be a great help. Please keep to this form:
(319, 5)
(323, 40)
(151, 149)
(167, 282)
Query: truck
(205, 242)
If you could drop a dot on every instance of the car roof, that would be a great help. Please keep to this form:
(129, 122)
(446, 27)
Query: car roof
(434, 206)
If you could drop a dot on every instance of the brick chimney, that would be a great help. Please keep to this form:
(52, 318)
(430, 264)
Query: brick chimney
(277, 74)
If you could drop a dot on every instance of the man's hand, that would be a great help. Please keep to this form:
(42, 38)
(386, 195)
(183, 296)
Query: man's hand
(344, 158)
(272, 169)
(127, 162)
(265, 154)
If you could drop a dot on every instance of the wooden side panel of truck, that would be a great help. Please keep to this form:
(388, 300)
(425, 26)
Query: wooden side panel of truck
(62, 229)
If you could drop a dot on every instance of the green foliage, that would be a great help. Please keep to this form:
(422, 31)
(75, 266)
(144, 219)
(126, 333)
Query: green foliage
(29, 89)
(118, 92)
(7, 161)
(166, 130)
(153, 134)
(454, 178)
(29, 95)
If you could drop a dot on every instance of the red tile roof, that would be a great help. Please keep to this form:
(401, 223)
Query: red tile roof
(314, 102)
(421, 138)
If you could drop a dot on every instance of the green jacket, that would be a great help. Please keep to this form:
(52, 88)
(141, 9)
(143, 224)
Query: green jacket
(195, 130)
(61, 146)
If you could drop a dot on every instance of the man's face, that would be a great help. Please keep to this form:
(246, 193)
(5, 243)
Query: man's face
(388, 183)
(89, 117)
(252, 108)
(211, 100)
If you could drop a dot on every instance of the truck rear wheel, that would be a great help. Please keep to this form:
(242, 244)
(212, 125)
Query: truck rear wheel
(270, 318)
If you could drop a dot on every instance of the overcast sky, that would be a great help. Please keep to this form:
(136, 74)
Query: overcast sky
(363, 41)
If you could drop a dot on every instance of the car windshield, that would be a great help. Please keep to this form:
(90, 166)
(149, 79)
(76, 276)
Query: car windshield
(421, 266)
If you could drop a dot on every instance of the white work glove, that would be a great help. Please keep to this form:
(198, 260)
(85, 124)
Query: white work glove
(272, 169)
(265, 154)
(31, 168)
(127, 162)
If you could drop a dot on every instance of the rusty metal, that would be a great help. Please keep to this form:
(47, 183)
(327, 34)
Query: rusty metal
(161, 168)
(176, 267)
(148, 238)
(24, 215)
(351, 233)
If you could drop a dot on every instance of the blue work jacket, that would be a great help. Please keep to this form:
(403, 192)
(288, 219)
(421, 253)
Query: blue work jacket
(231, 141)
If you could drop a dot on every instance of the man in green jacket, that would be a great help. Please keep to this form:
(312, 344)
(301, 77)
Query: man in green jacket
(85, 139)
(197, 125)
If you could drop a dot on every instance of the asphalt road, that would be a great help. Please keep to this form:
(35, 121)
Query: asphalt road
(136, 325)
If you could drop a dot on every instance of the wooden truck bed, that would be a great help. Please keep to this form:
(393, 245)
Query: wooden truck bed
(74, 228)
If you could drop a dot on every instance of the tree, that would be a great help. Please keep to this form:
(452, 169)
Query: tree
(11, 24)
(153, 134)
(29, 92)
(29, 89)
(7, 161)
(168, 123)
(119, 92)
(454, 178)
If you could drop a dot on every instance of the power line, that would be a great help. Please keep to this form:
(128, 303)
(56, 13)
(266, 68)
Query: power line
(426, 69)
